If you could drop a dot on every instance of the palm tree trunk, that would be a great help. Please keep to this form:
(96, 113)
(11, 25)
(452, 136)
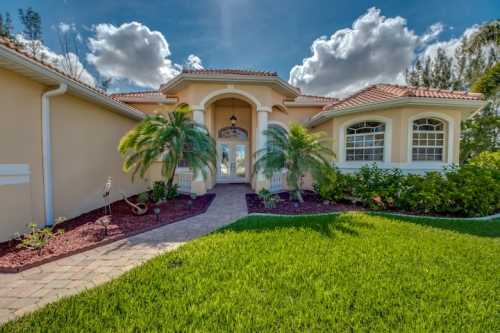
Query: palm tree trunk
(170, 181)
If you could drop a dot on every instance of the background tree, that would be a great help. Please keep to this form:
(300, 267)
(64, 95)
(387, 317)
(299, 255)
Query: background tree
(32, 31)
(6, 26)
(482, 133)
(298, 151)
(169, 138)
(71, 51)
(473, 67)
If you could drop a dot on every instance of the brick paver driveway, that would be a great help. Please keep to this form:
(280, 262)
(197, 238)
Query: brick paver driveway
(26, 291)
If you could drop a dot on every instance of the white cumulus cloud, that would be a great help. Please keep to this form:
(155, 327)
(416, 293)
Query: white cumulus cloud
(133, 52)
(193, 62)
(69, 64)
(375, 49)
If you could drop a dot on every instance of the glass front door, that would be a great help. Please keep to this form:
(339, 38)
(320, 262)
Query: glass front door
(232, 162)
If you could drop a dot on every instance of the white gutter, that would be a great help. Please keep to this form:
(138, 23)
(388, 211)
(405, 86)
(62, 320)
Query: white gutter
(48, 190)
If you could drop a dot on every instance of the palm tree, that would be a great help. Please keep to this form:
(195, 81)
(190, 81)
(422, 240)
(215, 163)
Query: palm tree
(298, 151)
(169, 138)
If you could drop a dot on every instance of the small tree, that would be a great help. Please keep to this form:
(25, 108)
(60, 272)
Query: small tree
(32, 23)
(170, 139)
(298, 151)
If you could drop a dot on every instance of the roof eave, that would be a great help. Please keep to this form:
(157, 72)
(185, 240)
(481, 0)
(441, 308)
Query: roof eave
(397, 102)
(22, 64)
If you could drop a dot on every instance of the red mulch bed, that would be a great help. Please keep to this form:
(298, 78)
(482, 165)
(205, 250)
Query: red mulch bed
(312, 205)
(82, 233)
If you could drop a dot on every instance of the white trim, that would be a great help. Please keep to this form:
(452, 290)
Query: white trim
(226, 91)
(12, 174)
(397, 102)
(387, 139)
(450, 123)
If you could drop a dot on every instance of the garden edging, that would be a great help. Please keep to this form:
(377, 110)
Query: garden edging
(481, 218)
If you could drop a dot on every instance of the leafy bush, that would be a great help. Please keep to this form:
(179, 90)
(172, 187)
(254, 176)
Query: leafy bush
(38, 237)
(172, 192)
(334, 186)
(488, 160)
(377, 188)
(270, 200)
(470, 190)
(143, 198)
(422, 193)
(159, 191)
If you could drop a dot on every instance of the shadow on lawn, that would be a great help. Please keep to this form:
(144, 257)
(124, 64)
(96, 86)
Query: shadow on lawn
(326, 225)
(476, 228)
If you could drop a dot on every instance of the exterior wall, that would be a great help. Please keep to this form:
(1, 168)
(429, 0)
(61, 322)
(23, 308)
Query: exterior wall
(85, 139)
(20, 145)
(400, 130)
(151, 108)
(84, 147)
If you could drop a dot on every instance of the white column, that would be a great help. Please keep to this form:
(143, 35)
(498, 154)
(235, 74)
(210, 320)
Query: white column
(199, 115)
(262, 121)
(198, 184)
(261, 142)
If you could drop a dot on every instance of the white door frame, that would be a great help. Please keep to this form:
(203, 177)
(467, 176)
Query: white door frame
(232, 178)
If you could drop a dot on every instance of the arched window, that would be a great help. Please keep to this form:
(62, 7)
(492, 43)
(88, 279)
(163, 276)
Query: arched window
(233, 132)
(365, 141)
(428, 140)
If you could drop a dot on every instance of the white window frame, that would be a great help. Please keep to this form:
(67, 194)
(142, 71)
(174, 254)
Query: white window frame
(427, 146)
(449, 137)
(342, 146)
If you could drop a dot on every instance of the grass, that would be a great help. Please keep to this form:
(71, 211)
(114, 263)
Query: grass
(349, 272)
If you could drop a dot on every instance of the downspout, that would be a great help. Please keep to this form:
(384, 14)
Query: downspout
(47, 152)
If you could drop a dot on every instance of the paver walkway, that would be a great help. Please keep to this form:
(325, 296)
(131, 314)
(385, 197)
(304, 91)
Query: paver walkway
(26, 291)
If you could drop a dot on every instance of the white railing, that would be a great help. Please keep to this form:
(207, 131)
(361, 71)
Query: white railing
(278, 181)
(184, 180)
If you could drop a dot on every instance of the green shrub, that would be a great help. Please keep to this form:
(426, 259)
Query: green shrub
(487, 159)
(172, 192)
(143, 198)
(473, 190)
(270, 200)
(470, 190)
(38, 237)
(159, 191)
(334, 185)
(377, 188)
(422, 193)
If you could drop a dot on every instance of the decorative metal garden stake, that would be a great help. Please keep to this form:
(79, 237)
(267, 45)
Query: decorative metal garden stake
(157, 213)
(106, 196)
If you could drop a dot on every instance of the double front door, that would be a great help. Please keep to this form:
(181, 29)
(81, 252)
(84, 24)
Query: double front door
(232, 162)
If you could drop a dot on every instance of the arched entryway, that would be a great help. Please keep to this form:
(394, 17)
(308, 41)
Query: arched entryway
(231, 126)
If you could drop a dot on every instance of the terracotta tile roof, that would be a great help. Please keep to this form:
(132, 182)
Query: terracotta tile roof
(313, 98)
(227, 71)
(385, 92)
(23, 53)
(138, 94)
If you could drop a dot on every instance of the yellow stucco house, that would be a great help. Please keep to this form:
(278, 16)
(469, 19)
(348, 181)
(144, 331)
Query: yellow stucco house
(58, 136)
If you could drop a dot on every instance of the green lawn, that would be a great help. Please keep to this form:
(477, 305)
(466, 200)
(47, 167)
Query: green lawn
(350, 272)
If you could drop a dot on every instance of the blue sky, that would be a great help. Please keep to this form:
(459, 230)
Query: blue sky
(254, 34)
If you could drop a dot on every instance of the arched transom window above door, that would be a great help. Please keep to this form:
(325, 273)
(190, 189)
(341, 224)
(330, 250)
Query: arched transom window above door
(428, 140)
(233, 132)
(365, 141)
